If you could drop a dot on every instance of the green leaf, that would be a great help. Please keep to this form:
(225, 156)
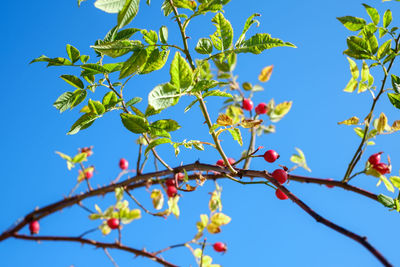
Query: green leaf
(223, 36)
(387, 183)
(250, 21)
(150, 36)
(163, 33)
(163, 96)
(355, 73)
(110, 100)
(181, 73)
(351, 86)
(96, 107)
(155, 143)
(109, 6)
(236, 135)
(82, 123)
(117, 48)
(204, 46)
(128, 12)
(358, 46)
(300, 159)
(373, 14)
(155, 61)
(79, 96)
(133, 101)
(64, 101)
(81, 157)
(260, 42)
(372, 42)
(125, 34)
(64, 156)
(150, 111)
(168, 125)
(134, 63)
(396, 181)
(205, 85)
(394, 99)
(167, 8)
(396, 83)
(94, 68)
(217, 93)
(73, 80)
(364, 72)
(384, 49)
(73, 53)
(387, 18)
(386, 201)
(135, 123)
(352, 23)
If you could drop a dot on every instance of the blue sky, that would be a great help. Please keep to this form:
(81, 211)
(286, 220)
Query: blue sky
(264, 231)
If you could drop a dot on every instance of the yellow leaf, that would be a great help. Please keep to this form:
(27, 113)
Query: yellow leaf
(352, 121)
(158, 199)
(248, 123)
(213, 228)
(396, 125)
(382, 122)
(220, 219)
(265, 74)
(224, 120)
(353, 68)
(351, 86)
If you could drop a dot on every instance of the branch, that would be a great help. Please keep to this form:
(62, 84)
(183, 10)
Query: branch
(360, 239)
(142, 180)
(103, 245)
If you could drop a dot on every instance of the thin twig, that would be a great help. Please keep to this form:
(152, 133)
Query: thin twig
(98, 244)
(202, 251)
(140, 205)
(139, 159)
(111, 258)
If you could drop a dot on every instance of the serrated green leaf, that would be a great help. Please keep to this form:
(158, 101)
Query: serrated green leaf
(260, 42)
(134, 63)
(236, 135)
(163, 96)
(73, 80)
(394, 99)
(168, 125)
(109, 6)
(223, 36)
(155, 61)
(352, 23)
(217, 93)
(133, 101)
(250, 21)
(117, 48)
(82, 123)
(64, 101)
(128, 12)
(384, 49)
(73, 53)
(181, 73)
(387, 18)
(204, 46)
(135, 123)
(155, 143)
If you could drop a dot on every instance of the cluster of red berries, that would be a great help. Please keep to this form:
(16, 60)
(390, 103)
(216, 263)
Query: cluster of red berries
(279, 174)
(261, 108)
(375, 161)
(171, 184)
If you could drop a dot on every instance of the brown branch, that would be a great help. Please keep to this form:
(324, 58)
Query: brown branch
(141, 181)
(103, 245)
(360, 239)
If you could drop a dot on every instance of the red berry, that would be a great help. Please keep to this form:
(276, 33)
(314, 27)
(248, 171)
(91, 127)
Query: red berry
(329, 185)
(123, 164)
(261, 108)
(219, 247)
(180, 176)
(220, 162)
(382, 168)
(280, 175)
(171, 191)
(271, 156)
(89, 174)
(247, 104)
(34, 227)
(375, 158)
(170, 182)
(113, 223)
(279, 194)
(231, 161)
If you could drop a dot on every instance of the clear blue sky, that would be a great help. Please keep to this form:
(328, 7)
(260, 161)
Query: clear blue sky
(264, 231)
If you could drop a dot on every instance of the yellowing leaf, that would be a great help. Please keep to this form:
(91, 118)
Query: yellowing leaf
(158, 199)
(213, 228)
(353, 68)
(220, 219)
(224, 120)
(265, 74)
(352, 121)
(382, 122)
(351, 86)
(173, 206)
(396, 126)
(248, 123)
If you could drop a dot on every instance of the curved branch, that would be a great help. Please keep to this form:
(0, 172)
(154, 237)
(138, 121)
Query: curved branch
(103, 245)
